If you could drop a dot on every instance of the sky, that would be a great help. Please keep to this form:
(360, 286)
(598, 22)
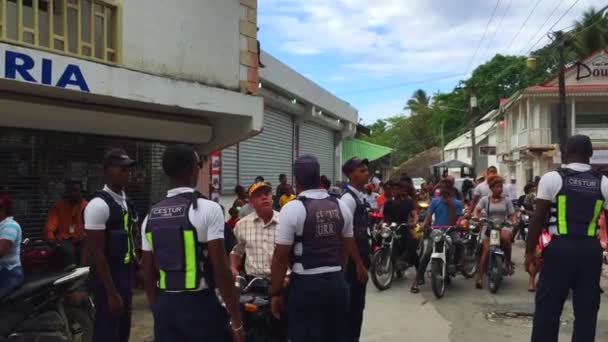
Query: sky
(375, 54)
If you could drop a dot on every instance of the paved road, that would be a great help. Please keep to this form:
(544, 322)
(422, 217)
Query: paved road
(464, 314)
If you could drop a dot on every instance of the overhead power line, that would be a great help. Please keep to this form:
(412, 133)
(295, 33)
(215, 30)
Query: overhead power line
(401, 85)
(483, 36)
(502, 19)
(545, 23)
(523, 25)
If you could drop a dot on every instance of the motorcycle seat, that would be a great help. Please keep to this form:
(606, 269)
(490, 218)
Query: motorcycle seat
(31, 285)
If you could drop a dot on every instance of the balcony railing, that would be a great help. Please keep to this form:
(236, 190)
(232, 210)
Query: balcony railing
(81, 28)
(535, 137)
(596, 134)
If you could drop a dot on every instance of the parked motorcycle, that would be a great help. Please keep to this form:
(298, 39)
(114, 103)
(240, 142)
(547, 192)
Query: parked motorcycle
(36, 311)
(258, 321)
(497, 266)
(387, 261)
(472, 247)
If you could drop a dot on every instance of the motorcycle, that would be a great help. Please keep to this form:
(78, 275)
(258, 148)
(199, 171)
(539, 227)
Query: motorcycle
(471, 246)
(524, 221)
(42, 258)
(497, 266)
(375, 222)
(443, 259)
(258, 322)
(424, 207)
(387, 259)
(36, 311)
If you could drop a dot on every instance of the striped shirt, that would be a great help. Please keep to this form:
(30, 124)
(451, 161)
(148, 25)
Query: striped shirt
(256, 240)
(11, 231)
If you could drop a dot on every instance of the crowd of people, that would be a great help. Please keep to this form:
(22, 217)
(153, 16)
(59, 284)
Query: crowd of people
(311, 241)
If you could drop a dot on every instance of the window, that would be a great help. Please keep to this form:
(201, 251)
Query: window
(487, 150)
(591, 115)
(81, 28)
(469, 152)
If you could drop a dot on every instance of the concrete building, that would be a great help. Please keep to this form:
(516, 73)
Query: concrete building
(461, 148)
(82, 76)
(527, 129)
(300, 117)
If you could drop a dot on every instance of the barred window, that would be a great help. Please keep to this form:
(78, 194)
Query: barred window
(81, 28)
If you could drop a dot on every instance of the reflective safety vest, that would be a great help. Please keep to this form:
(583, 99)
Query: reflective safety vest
(321, 239)
(119, 230)
(579, 203)
(179, 256)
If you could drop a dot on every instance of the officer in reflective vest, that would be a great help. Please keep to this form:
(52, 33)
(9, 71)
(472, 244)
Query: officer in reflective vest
(315, 237)
(357, 172)
(184, 259)
(573, 199)
(109, 220)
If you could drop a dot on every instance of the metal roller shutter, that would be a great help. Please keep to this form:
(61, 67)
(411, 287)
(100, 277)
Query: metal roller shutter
(269, 153)
(319, 141)
(34, 166)
(229, 169)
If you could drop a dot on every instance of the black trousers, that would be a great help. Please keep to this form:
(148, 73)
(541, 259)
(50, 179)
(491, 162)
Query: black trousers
(109, 326)
(568, 264)
(317, 308)
(356, 304)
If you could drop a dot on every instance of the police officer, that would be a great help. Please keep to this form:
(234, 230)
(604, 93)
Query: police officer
(572, 198)
(109, 220)
(314, 236)
(184, 258)
(358, 173)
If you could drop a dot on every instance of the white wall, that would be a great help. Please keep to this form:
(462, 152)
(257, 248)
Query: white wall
(195, 40)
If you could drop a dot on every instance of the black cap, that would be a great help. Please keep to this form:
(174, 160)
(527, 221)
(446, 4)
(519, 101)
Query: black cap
(579, 145)
(306, 167)
(352, 164)
(117, 157)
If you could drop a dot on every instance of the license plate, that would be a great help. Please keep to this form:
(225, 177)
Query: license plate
(494, 238)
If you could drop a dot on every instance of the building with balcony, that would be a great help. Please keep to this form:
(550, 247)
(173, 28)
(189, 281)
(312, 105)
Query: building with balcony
(527, 124)
(460, 149)
(82, 76)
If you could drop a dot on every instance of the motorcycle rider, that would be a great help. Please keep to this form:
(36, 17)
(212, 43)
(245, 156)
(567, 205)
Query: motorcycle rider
(109, 220)
(184, 259)
(446, 210)
(11, 273)
(483, 188)
(315, 237)
(401, 209)
(573, 199)
(497, 208)
(357, 172)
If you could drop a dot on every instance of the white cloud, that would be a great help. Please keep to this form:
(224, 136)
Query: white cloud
(384, 37)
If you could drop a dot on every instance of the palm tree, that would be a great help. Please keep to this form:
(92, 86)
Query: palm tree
(418, 102)
(591, 32)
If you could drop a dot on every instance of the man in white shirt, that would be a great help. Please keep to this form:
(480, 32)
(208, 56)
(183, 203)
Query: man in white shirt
(184, 259)
(573, 199)
(511, 190)
(255, 234)
(483, 189)
(315, 235)
(109, 219)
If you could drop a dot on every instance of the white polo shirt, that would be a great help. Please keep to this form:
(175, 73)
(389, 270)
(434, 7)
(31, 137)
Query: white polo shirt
(207, 219)
(551, 184)
(291, 222)
(97, 212)
(350, 202)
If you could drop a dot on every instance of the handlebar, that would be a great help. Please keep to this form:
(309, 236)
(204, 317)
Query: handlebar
(241, 283)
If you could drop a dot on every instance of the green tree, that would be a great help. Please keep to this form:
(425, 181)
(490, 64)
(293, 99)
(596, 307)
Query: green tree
(419, 101)
(590, 33)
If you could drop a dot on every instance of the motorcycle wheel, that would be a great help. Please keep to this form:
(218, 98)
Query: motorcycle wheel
(81, 324)
(471, 262)
(382, 279)
(495, 272)
(437, 280)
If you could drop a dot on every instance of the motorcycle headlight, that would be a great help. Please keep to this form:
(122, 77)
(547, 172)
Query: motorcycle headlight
(385, 233)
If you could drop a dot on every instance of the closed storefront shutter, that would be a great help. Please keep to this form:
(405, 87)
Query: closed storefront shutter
(319, 141)
(229, 169)
(34, 166)
(269, 153)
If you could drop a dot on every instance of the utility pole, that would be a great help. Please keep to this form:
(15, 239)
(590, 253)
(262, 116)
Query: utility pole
(472, 123)
(442, 142)
(562, 112)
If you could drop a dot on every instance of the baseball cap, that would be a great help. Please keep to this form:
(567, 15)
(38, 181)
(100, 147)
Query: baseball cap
(352, 164)
(259, 185)
(306, 167)
(117, 157)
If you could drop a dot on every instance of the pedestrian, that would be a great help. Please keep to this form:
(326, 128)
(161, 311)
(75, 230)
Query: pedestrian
(355, 200)
(284, 187)
(184, 259)
(234, 217)
(483, 188)
(109, 220)
(386, 195)
(241, 197)
(573, 198)
(376, 181)
(65, 223)
(511, 190)
(314, 236)
(11, 272)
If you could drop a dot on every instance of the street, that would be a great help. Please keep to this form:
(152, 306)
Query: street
(464, 314)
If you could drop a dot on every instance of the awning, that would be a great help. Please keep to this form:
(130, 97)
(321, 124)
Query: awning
(363, 149)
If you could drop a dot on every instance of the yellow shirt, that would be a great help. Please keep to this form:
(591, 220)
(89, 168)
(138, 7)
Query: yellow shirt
(286, 199)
